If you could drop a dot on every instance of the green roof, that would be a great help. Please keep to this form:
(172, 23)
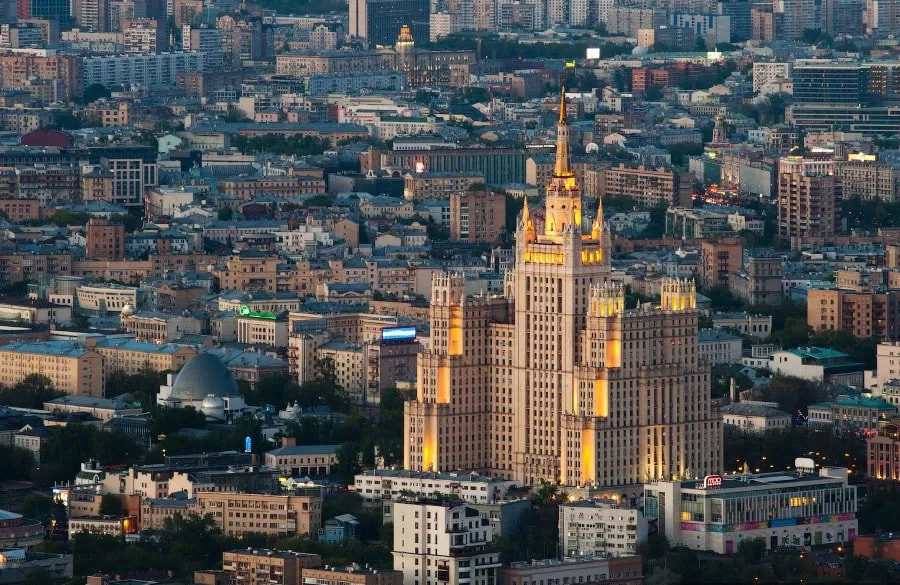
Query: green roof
(869, 402)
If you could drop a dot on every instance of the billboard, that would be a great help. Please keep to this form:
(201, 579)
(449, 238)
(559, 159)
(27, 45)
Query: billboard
(593, 53)
(398, 333)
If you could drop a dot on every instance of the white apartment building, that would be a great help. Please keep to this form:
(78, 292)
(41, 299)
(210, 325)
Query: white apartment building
(599, 528)
(140, 70)
(887, 366)
(764, 73)
(303, 239)
(380, 485)
(443, 542)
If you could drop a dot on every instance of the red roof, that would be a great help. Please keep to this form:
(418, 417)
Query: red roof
(44, 137)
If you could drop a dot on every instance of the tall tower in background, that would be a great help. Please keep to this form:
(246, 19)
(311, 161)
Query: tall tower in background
(557, 381)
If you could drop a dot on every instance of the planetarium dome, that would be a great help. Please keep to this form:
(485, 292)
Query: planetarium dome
(202, 376)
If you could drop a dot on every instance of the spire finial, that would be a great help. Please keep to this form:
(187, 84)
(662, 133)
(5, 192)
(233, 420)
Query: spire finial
(562, 105)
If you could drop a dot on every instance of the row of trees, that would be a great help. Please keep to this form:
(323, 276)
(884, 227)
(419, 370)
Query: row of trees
(280, 144)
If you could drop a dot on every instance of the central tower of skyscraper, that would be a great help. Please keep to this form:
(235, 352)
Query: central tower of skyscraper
(557, 381)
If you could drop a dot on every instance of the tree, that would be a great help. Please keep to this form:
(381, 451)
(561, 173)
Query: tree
(225, 213)
(656, 547)
(131, 222)
(32, 392)
(38, 577)
(94, 92)
(80, 322)
(347, 465)
(662, 576)
(165, 420)
(110, 505)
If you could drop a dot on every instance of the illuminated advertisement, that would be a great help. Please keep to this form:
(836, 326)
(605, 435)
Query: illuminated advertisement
(398, 333)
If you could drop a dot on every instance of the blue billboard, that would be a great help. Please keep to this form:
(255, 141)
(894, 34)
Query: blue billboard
(398, 333)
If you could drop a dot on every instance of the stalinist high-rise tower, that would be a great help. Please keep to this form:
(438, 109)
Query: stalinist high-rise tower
(557, 381)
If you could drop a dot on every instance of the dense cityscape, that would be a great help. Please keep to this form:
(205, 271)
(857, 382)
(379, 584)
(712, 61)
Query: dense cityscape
(449, 292)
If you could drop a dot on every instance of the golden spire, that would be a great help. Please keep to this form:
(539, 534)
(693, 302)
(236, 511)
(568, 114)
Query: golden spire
(562, 106)
(527, 224)
(562, 140)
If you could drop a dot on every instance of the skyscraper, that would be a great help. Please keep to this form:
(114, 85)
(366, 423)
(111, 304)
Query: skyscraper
(557, 381)
(377, 22)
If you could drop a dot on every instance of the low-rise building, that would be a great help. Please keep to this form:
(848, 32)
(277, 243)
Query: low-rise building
(588, 570)
(756, 417)
(303, 460)
(158, 327)
(275, 515)
(784, 509)
(102, 408)
(758, 326)
(600, 528)
(133, 357)
(719, 347)
(354, 575)
(17, 564)
(852, 413)
(19, 532)
(105, 525)
(818, 364)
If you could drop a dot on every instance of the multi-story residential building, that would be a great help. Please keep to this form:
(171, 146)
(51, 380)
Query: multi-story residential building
(145, 35)
(104, 241)
(818, 364)
(291, 185)
(421, 186)
(72, 368)
(883, 457)
(719, 347)
(766, 71)
(759, 282)
(133, 357)
(719, 258)
(864, 314)
(790, 509)
(160, 327)
(600, 528)
(648, 187)
(132, 174)
(50, 185)
(477, 216)
(808, 198)
(380, 485)
(156, 511)
(538, 389)
(438, 541)
(148, 70)
(21, 267)
(863, 175)
(239, 514)
(302, 460)
(354, 575)
(267, 567)
(19, 210)
(16, 69)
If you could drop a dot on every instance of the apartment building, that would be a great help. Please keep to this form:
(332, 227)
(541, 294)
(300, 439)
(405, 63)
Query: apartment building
(477, 216)
(379, 485)
(302, 460)
(864, 314)
(72, 368)
(104, 241)
(759, 282)
(883, 457)
(421, 186)
(239, 514)
(351, 575)
(647, 186)
(439, 542)
(719, 258)
(808, 198)
(600, 528)
(133, 357)
(267, 567)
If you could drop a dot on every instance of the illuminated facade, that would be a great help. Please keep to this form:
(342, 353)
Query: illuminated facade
(557, 381)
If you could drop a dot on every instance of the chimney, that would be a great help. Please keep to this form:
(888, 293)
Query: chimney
(732, 394)
(288, 441)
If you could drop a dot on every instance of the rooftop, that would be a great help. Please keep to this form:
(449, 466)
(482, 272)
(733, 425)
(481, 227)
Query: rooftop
(305, 450)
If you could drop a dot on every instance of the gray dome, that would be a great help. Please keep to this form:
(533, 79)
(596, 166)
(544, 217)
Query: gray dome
(202, 376)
